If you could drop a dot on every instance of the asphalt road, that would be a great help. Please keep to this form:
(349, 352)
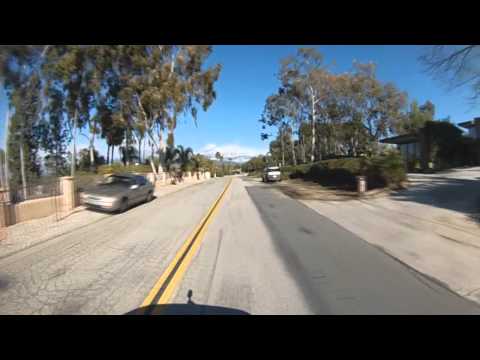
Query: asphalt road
(266, 253)
(263, 253)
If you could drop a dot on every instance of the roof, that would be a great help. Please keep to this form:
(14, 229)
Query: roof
(470, 124)
(401, 139)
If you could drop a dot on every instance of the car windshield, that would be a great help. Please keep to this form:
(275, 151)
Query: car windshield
(275, 168)
(117, 180)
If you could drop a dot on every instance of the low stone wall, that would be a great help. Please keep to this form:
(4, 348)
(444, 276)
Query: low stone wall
(38, 208)
(11, 214)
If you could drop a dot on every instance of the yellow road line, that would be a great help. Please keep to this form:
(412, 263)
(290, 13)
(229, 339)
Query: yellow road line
(178, 266)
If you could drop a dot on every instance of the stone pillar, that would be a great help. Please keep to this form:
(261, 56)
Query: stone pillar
(7, 213)
(67, 184)
(361, 185)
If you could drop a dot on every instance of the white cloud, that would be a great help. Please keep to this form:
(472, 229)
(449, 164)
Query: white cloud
(234, 151)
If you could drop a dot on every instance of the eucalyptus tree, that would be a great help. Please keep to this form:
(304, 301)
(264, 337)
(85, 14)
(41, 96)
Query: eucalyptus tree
(21, 79)
(303, 76)
(167, 81)
(283, 113)
(378, 105)
(71, 70)
(54, 133)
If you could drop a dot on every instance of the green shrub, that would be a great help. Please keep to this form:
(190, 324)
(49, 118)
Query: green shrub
(385, 170)
(381, 171)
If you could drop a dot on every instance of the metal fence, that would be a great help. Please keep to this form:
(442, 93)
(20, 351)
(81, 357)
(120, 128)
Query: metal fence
(35, 190)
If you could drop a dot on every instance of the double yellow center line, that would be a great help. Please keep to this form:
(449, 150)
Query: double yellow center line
(169, 280)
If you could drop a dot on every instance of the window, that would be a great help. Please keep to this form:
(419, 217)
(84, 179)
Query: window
(141, 180)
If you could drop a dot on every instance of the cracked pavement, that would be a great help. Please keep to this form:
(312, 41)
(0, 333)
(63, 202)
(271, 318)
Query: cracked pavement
(263, 253)
(107, 267)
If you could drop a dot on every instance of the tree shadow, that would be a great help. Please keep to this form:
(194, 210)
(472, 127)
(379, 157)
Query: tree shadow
(190, 308)
(461, 195)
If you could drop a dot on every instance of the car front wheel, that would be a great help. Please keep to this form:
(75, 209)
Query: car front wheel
(149, 197)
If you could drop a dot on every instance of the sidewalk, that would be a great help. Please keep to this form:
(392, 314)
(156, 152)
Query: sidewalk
(29, 233)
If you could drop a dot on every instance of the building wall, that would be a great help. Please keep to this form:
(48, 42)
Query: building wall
(410, 151)
(474, 132)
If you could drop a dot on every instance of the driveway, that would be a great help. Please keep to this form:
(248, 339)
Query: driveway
(433, 226)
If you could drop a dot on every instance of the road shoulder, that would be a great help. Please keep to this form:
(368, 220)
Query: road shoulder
(435, 242)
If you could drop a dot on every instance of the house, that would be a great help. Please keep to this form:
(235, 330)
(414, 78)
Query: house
(473, 127)
(409, 146)
(417, 148)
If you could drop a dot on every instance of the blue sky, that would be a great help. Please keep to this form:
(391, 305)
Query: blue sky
(249, 76)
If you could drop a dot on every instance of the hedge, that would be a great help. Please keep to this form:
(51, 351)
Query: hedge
(381, 171)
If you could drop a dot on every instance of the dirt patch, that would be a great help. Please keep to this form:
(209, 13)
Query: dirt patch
(309, 190)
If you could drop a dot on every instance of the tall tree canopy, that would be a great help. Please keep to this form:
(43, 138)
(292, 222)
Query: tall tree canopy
(126, 94)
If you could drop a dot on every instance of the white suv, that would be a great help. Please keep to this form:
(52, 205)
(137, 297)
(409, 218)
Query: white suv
(272, 173)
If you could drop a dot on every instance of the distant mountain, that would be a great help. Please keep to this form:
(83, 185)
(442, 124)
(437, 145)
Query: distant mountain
(238, 159)
(233, 153)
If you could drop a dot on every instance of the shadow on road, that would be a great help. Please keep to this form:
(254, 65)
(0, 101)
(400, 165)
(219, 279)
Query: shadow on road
(190, 308)
(461, 195)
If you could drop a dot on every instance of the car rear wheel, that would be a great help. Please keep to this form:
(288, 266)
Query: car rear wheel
(123, 206)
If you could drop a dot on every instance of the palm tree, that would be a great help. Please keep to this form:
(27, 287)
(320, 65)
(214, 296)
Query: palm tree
(177, 160)
(219, 157)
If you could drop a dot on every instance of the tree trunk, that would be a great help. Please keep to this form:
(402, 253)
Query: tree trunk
(74, 146)
(2, 178)
(140, 150)
(312, 156)
(108, 154)
(92, 153)
(144, 146)
(22, 169)
(283, 147)
(152, 165)
(126, 155)
(161, 153)
(294, 157)
(7, 175)
(304, 154)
